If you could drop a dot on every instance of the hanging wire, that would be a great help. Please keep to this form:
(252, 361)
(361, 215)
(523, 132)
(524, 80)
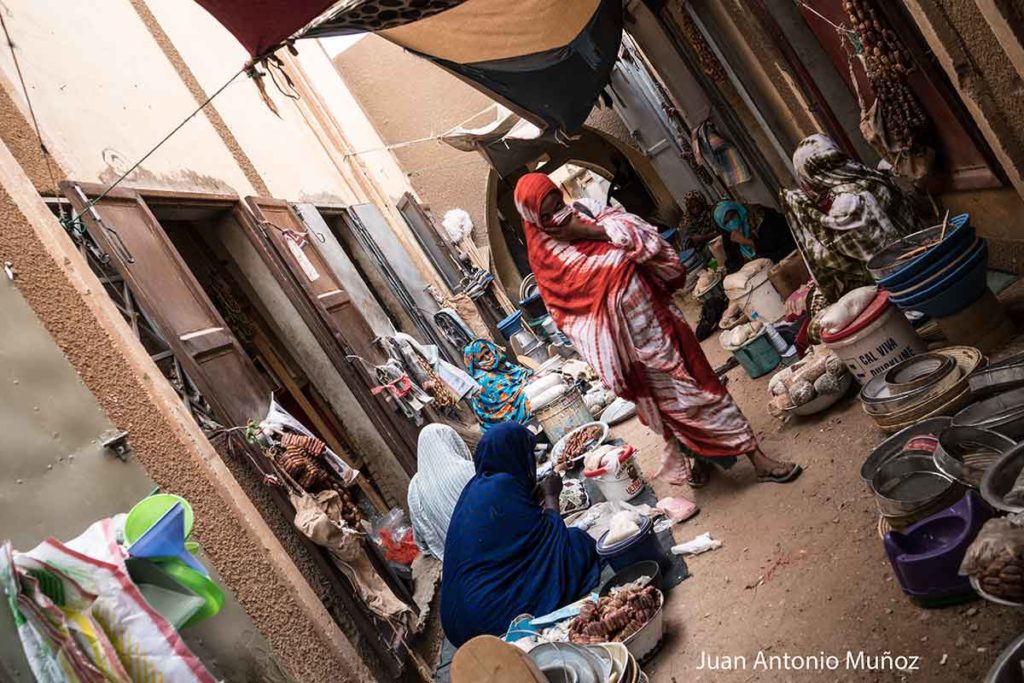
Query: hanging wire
(416, 141)
(167, 137)
(32, 112)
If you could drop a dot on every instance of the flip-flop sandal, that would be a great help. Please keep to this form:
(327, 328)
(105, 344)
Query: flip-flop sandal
(786, 478)
(699, 482)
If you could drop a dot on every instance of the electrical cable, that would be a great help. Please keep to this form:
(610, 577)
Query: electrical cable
(32, 113)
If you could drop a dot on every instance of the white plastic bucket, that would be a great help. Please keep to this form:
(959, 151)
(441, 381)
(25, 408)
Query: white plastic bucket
(760, 297)
(624, 484)
(877, 340)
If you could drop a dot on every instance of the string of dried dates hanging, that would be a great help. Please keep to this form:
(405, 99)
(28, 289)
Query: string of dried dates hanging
(887, 65)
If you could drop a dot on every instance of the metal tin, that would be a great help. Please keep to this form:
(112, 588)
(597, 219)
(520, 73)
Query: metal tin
(966, 453)
(894, 446)
(996, 380)
(923, 370)
(1000, 477)
(1003, 413)
(907, 484)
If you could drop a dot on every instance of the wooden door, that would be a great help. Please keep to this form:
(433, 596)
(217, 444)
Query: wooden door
(327, 308)
(291, 241)
(140, 250)
(434, 244)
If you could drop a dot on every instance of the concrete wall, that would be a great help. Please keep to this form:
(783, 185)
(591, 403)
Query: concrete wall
(54, 430)
(408, 98)
(69, 301)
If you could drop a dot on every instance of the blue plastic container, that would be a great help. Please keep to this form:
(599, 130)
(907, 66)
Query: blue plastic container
(954, 292)
(640, 547)
(934, 272)
(758, 356)
(511, 325)
(889, 272)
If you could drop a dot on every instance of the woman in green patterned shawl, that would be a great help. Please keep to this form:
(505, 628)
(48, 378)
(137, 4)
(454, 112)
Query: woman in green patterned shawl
(843, 214)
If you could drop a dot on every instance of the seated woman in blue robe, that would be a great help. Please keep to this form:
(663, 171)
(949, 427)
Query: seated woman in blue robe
(507, 554)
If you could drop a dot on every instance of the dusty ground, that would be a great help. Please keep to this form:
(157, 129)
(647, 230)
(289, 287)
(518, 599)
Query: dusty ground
(828, 587)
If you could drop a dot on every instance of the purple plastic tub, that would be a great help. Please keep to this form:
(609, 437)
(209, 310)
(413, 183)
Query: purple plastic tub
(926, 556)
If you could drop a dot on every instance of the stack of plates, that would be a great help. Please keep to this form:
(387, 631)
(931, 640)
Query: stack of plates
(921, 387)
(604, 663)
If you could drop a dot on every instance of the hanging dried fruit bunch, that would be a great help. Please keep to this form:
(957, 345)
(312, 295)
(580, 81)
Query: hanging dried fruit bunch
(708, 61)
(887, 64)
(301, 461)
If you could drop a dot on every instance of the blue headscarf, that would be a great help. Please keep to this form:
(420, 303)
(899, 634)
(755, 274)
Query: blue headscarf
(504, 554)
(741, 223)
(502, 398)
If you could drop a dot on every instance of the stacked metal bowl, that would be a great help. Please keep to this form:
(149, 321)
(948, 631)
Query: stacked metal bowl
(921, 387)
(938, 271)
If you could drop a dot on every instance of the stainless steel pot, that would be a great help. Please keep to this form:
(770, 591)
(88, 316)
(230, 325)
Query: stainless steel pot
(908, 484)
(894, 445)
(966, 453)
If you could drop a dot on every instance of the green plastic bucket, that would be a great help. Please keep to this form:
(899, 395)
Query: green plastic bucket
(758, 356)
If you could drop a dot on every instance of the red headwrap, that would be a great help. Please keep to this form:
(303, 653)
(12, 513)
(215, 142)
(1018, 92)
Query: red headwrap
(565, 291)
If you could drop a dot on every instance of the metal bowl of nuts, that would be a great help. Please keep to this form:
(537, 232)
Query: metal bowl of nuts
(570, 449)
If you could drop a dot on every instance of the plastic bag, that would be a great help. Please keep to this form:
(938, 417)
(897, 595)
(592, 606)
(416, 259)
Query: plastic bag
(279, 420)
(145, 641)
(698, 545)
(996, 558)
(623, 524)
(393, 532)
(845, 311)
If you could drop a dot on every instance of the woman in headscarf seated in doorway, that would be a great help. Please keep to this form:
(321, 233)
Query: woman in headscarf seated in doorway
(508, 554)
(501, 397)
(843, 214)
(608, 280)
(753, 231)
(443, 468)
(697, 222)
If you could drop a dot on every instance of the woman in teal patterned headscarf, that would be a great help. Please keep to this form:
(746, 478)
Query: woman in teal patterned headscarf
(501, 398)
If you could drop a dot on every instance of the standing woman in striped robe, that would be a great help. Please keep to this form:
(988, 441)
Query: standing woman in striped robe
(607, 279)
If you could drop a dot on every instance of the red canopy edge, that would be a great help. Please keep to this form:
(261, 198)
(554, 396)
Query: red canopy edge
(262, 25)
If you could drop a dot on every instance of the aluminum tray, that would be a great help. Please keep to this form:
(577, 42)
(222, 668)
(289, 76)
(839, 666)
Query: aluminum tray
(893, 446)
(923, 370)
(999, 479)
(997, 380)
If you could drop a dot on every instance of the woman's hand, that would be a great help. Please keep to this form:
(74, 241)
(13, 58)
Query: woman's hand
(549, 489)
(576, 228)
(740, 238)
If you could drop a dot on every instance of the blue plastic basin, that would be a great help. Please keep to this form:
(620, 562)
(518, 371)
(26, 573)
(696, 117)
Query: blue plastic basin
(935, 272)
(933, 263)
(891, 273)
(954, 292)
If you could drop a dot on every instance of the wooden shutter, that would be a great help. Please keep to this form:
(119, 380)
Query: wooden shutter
(346, 270)
(138, 247)
(329, 311)
(290, 240)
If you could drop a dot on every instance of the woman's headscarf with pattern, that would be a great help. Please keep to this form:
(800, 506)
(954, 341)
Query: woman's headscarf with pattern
(843, 214)
(502, 398)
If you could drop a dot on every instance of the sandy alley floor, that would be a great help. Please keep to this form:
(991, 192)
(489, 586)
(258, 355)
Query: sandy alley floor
(827, 587)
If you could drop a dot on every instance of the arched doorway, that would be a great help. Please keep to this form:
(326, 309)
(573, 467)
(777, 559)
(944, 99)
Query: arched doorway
(593, 157)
